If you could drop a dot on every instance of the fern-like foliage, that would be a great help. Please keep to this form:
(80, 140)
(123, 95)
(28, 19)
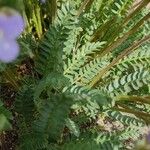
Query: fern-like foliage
(51, 53)
(96, 63)
(53, 109)
(90, 73)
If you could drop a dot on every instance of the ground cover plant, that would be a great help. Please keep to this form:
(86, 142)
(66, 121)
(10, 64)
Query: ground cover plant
(74, 75)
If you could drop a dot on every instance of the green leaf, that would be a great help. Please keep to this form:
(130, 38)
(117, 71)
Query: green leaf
(73, 127)
(4, 123)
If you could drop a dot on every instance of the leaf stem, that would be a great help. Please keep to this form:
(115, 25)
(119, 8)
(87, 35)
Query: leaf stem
(131, 111)
(85, 4)
(134, 99)
(10, 77)
(127, 51)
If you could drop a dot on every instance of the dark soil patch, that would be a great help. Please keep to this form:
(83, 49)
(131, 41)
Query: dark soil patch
(8, 139)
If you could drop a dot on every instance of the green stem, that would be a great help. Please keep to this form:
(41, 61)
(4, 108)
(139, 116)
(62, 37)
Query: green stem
(126, 52)
(119, 41)
(134, 99)
(10, 77)
(131, 111)
(85, 5)
(142, 5)
(37, 20)
(52, 6)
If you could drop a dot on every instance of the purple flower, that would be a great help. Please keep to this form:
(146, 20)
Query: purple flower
(43, 1)
(11, 23)
(9, 50)
(148, 137)
(11, 26)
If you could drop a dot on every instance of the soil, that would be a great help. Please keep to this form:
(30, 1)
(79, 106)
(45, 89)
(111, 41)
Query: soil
(8, 139)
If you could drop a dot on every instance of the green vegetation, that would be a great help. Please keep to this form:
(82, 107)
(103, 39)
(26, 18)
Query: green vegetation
(89, 67)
